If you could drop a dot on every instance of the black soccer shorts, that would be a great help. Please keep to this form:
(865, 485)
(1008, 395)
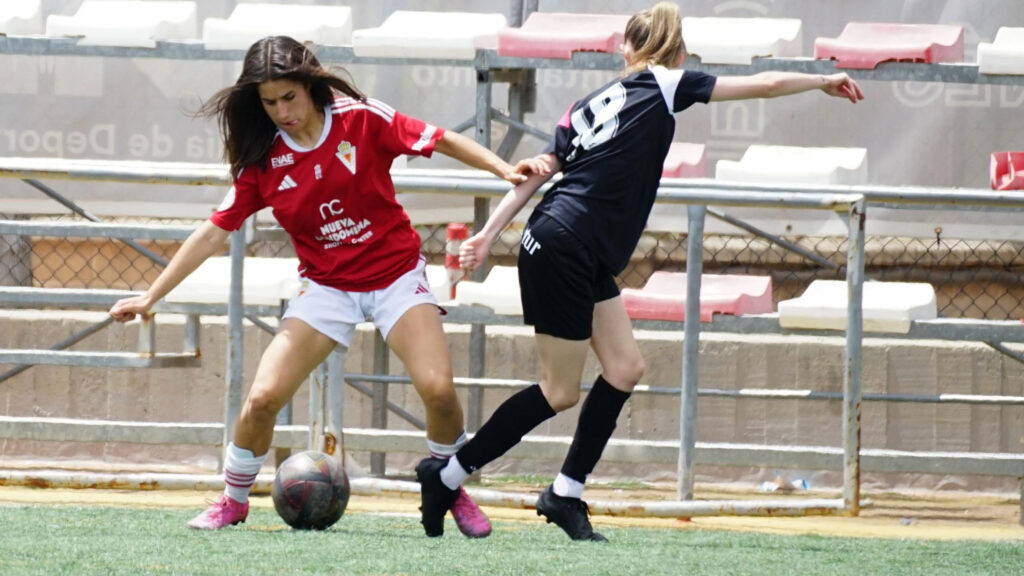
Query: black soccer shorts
(560, 280)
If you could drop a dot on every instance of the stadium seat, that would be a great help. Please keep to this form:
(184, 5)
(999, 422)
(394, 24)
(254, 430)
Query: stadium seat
(440, 35)
(1003, 56)
(796, 164)
(663, 297)
(440, 284)
(265, 281)
(740, 40)
(499, 291)
(887, 306)
(558, 35)
(21, 18)
(321, 25)
(126, 23)
(685, 160)
(1007, 170)
(865, 45)
(762, 164)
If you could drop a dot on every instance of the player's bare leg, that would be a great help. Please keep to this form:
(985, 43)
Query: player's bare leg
(292, 354)
(418, 340)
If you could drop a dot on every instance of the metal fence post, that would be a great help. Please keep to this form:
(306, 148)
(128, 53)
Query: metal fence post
(691, 348)
(317, 381)
(481, 211)
(379, 418)
(334, 418)
(852, 360)
(235, 353)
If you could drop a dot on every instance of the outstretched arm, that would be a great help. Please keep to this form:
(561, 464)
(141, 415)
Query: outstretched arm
(199, 246)
(541, 168)
(472, 154)
(773, 84)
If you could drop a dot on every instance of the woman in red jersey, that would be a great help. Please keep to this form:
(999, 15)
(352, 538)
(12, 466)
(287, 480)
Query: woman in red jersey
(610, 147)
(306, 143)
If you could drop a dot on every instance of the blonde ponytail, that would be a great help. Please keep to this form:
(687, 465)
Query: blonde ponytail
(656, 36)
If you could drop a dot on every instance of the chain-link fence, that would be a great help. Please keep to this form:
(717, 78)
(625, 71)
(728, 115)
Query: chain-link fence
(972, 278)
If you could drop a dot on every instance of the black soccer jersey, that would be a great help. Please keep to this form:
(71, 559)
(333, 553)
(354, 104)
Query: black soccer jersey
(612, 145)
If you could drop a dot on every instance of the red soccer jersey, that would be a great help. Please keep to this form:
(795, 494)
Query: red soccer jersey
(336, 200)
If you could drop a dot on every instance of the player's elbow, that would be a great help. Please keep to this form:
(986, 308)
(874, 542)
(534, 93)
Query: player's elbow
(771, 86)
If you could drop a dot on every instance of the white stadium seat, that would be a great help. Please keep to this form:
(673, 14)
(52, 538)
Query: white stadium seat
(499, 291)
(265, 281)
(21, 18)
(126, 23)
(887, 306)
(762, 164)
(740, 40)
(438, 35)
(796, 165)
(321, 25)
(1005, 55)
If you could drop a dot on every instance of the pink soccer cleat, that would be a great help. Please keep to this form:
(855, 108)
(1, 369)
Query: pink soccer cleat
(470, 519)
(224, 512)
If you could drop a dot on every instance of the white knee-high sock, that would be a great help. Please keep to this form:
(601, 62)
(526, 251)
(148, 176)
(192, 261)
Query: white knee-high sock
(240, 470)
(452, 475)
(567, 487)
(445, 451)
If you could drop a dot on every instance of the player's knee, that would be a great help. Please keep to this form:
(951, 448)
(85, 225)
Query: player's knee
(262, 406)
(626, 373)
(438, 393)
(562, 399)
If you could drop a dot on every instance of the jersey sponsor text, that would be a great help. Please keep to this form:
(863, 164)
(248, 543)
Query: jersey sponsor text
(282, 160)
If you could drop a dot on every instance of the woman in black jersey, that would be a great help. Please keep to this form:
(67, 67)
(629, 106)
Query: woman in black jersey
(610, 148)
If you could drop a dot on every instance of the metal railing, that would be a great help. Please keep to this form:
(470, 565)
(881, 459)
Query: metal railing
(687, 451)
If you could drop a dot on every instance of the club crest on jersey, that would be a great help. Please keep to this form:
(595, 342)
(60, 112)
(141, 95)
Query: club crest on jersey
(282, 160)
(347, 155)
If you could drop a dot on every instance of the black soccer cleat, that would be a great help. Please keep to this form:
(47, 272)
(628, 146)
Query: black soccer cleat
(435, 498)
(570, 514)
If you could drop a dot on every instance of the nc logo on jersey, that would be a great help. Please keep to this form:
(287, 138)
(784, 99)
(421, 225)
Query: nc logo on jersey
(347, 155)
(283, 160)
(332, 208)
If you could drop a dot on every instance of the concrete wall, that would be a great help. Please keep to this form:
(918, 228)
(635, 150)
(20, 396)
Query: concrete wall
(726, 361)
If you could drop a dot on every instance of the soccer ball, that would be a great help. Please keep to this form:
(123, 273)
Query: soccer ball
(310, 491)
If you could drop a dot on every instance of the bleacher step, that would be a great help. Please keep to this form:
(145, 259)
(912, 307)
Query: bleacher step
(99, 359)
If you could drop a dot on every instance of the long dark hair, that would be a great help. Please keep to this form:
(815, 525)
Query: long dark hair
(246, 129)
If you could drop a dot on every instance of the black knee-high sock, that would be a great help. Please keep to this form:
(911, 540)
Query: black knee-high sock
(506, 427)
(597, 422)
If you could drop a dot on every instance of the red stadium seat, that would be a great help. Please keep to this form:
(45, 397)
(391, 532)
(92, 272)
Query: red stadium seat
(865, 45)
(558, 35)
(664, 296)
(685, 160)
(1006, 170)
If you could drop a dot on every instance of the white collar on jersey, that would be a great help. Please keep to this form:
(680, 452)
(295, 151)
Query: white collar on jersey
(323, 134)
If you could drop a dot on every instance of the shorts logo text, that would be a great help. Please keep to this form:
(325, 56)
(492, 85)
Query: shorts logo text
(529, 242)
